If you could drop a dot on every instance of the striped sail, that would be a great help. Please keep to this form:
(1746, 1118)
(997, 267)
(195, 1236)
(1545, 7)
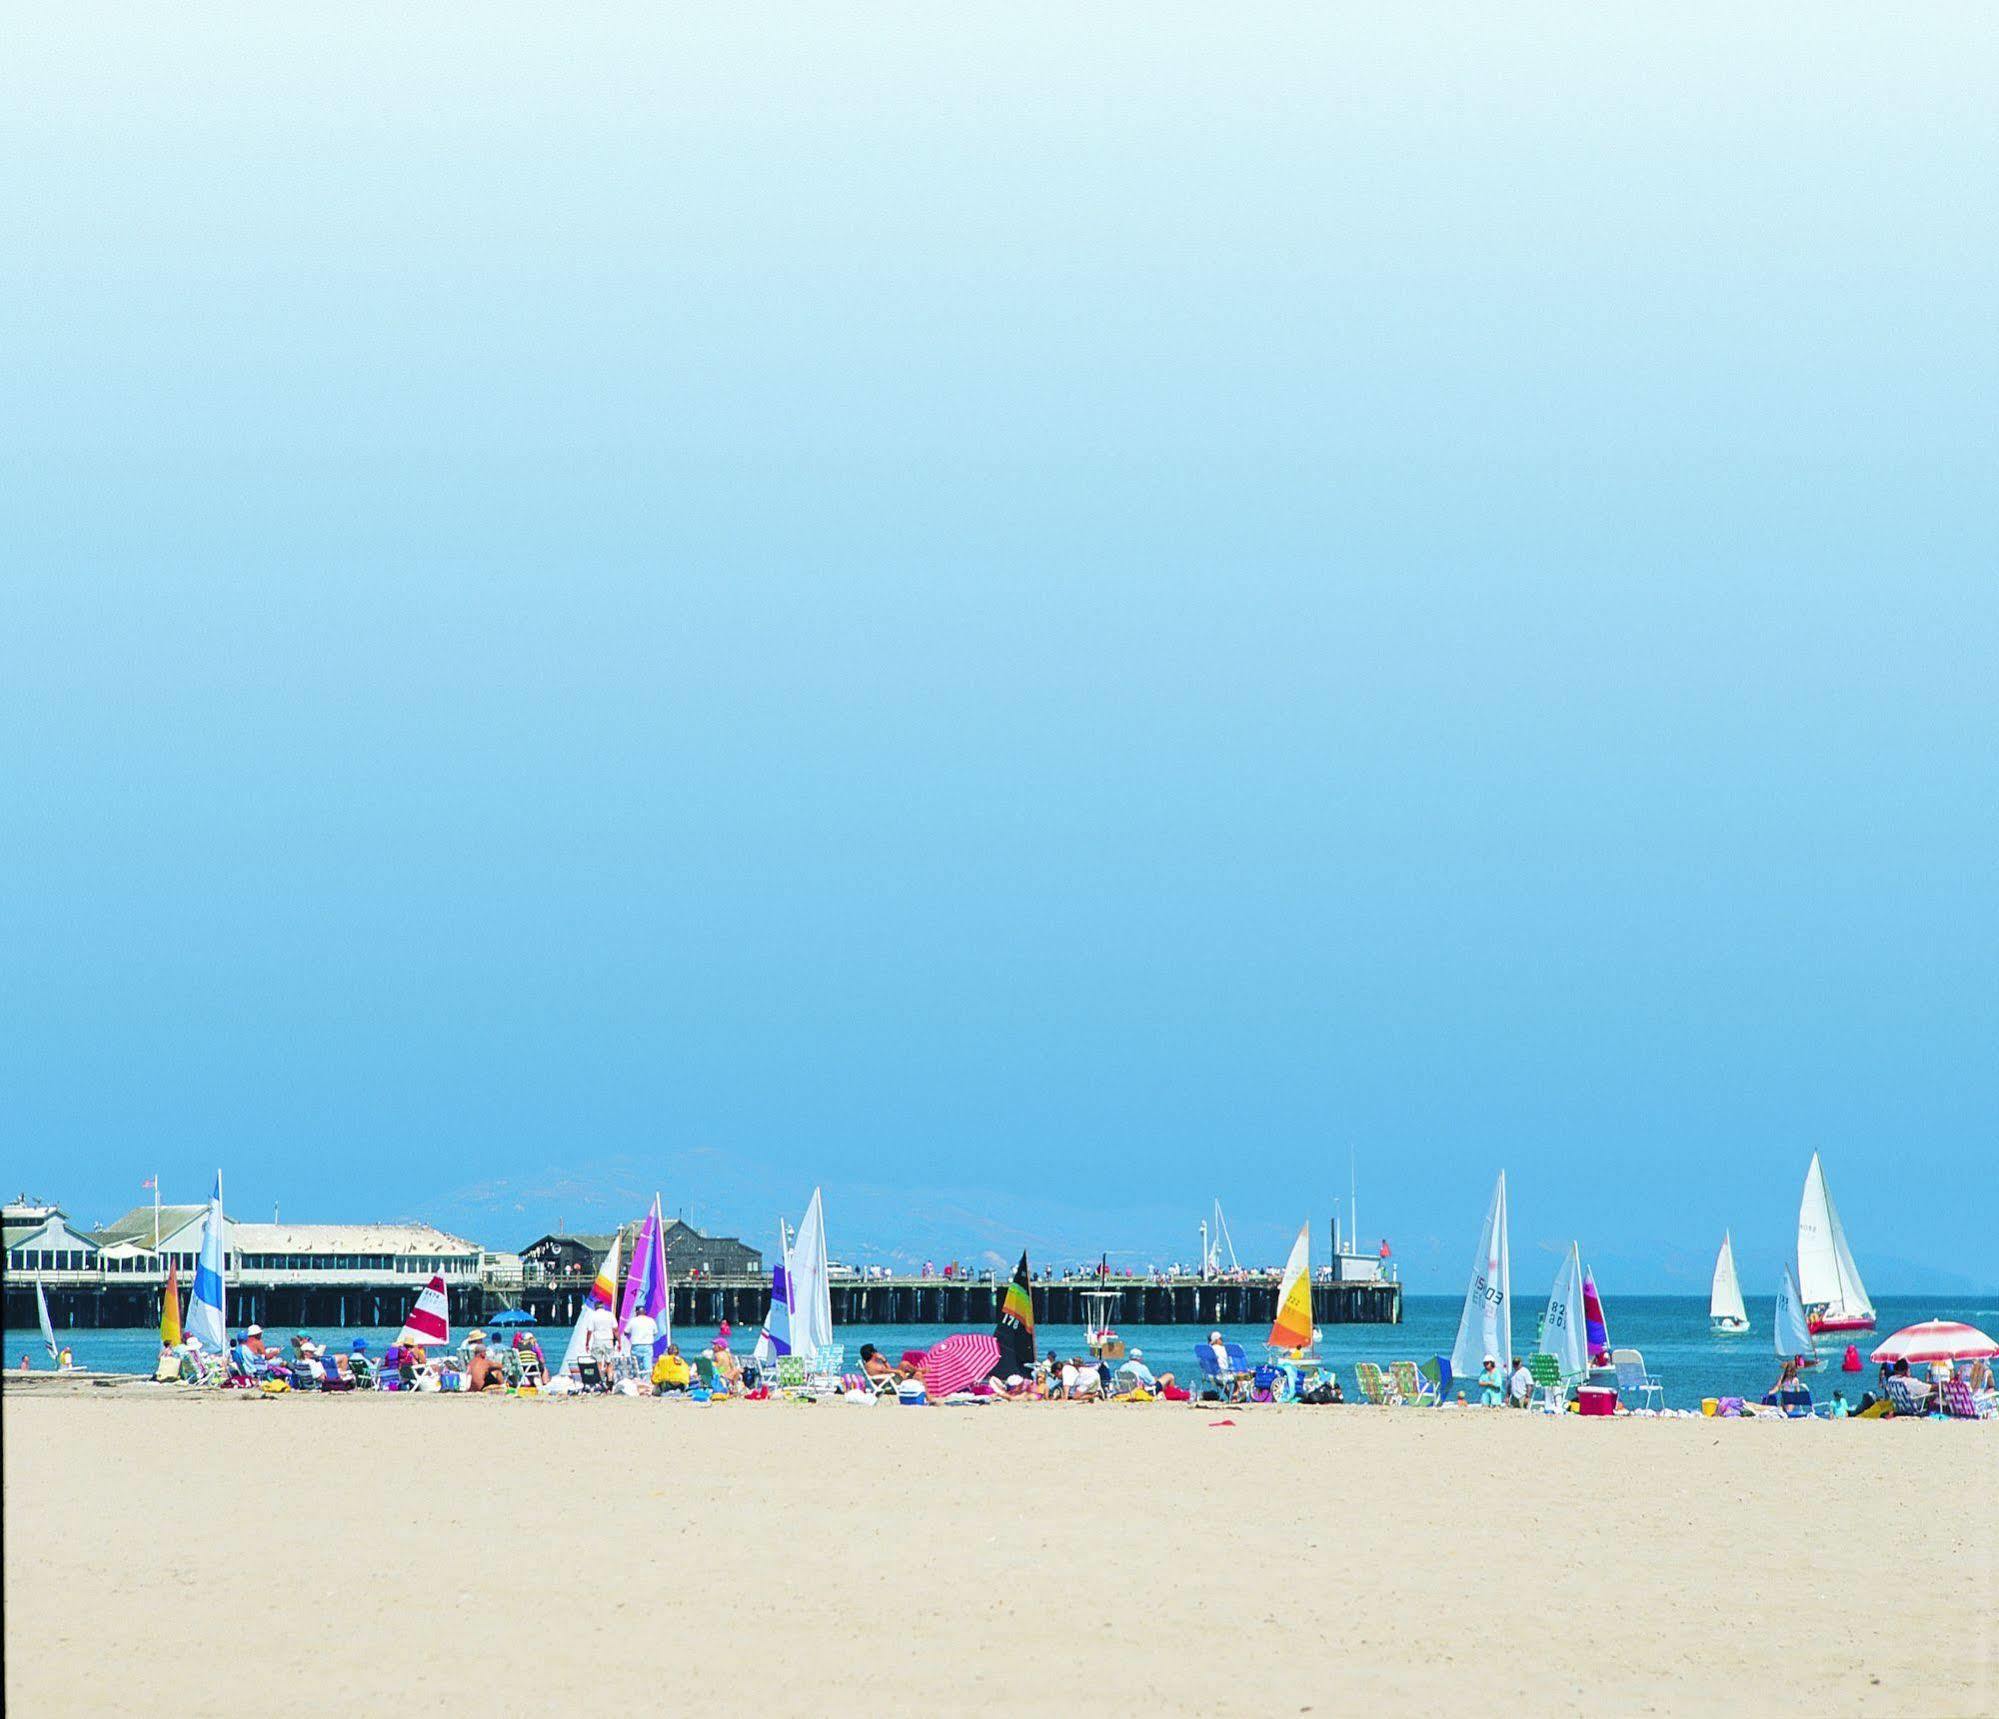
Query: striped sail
(1292, 1328)
(207, 1307)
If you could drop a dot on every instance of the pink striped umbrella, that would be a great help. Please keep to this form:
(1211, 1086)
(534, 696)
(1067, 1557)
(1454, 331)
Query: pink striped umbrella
(958, 1363)
(1937, 1340)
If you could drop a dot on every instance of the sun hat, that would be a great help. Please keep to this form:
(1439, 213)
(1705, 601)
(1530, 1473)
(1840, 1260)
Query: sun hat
(719, 1343)
(1214, 1336)
(1138, 1354)
(359, 1345)
(254, 1331)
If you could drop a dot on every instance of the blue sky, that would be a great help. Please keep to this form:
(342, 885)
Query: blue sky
(1036, 620)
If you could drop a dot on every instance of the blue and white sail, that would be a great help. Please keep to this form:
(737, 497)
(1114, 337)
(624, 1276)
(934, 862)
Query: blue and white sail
(1486, 1325)
(48, 1330)
(1791, 1335)
(775, 1338)
(207, 1317)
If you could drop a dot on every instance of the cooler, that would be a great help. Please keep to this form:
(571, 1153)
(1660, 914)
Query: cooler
(1596, 1400)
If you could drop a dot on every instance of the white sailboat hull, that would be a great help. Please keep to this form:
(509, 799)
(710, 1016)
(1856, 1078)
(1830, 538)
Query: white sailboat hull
(1728, 1327)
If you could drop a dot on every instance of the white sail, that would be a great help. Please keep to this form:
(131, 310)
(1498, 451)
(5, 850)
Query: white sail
(1826, 1274)
(1486, 1325)
(811, 1289)
(48, 1330)
(1564, 1331)
(1792, 1335)
(1724, 1302)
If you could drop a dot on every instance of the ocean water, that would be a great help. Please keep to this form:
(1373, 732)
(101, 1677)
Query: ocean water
(1671, 1331)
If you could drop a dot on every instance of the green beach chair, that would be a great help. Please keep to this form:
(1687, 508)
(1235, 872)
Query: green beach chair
(791, 1373)
(1411, 1388)
(1551, 1390)
(1373, 1387)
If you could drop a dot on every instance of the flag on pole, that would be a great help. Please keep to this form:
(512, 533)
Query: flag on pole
(1384, 1247)
(429, 1323)
(1015, 1330)
(170, 1309)
(150, 1182)
(207, 1308)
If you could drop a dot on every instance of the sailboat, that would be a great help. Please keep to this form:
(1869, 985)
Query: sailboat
(1486, 1325)
(48, 1330)
(1099, 1305)
(1726, 1316)
(1793, 1337)
(1835, 1298)
(1291, 1331)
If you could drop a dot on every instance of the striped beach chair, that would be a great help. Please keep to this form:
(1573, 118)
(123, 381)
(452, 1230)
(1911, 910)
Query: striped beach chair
(1551, 1390)
(1410, 1386)
(1910, 1399)
(1373, 1387)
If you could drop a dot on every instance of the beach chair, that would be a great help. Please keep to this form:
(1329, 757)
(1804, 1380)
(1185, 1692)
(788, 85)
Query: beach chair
(1551, 1390)
(1213, 1374)
(1411, 1387)
(1632, 1378)
(1958, 1402)
(791, 1374)
(1373, 1387)
(1438, 1371)
(822, 1373)
(1909, 1397)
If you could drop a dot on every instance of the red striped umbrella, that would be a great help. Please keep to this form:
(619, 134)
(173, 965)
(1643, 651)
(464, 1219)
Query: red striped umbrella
(1937, 1340)
(958, 1363)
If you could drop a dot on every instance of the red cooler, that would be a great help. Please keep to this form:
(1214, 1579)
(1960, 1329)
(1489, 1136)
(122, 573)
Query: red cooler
(1596, 1400)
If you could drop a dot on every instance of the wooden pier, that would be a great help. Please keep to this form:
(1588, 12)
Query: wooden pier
(741, 1300)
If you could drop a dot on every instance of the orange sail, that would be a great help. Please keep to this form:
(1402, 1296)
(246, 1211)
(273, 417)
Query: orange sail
(1292, 1329)
(170, 1310)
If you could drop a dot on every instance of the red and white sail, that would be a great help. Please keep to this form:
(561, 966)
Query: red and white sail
(429, 1323)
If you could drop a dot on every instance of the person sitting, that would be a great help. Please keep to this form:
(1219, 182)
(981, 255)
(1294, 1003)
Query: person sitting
(1840, 1411)
(1336, 1395)
(728, 1370)
(1520, 1387)
(1790, 1390)
(874, 1363)
(1220, 1351)
(1490, 1387)
(671, 1371)
(253, 1344)
(1135, 1365)
(485, 1372)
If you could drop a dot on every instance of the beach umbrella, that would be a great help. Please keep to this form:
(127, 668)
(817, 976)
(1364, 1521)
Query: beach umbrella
(960, 1362)
(1937, 1340)
(511, 1316)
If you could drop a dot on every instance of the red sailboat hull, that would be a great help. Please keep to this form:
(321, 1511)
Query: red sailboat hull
(1846, 1322)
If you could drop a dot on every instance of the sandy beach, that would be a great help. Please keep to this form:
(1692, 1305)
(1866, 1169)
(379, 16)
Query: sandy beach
(804, 1558)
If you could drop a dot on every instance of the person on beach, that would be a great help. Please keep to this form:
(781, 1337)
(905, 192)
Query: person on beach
(1219, 1350)
(874, 1363)
(671, 1371)
(1787, 1383)
(1490, 1387)
(642, 1333)
(1520, 1387)
(253, 1344)
(485, 1372)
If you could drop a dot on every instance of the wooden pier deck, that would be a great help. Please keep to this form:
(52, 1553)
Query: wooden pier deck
(740, 1300)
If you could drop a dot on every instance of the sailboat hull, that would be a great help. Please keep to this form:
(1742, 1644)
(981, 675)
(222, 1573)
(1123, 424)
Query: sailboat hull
(1819, 1322)
(1728, 1327)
